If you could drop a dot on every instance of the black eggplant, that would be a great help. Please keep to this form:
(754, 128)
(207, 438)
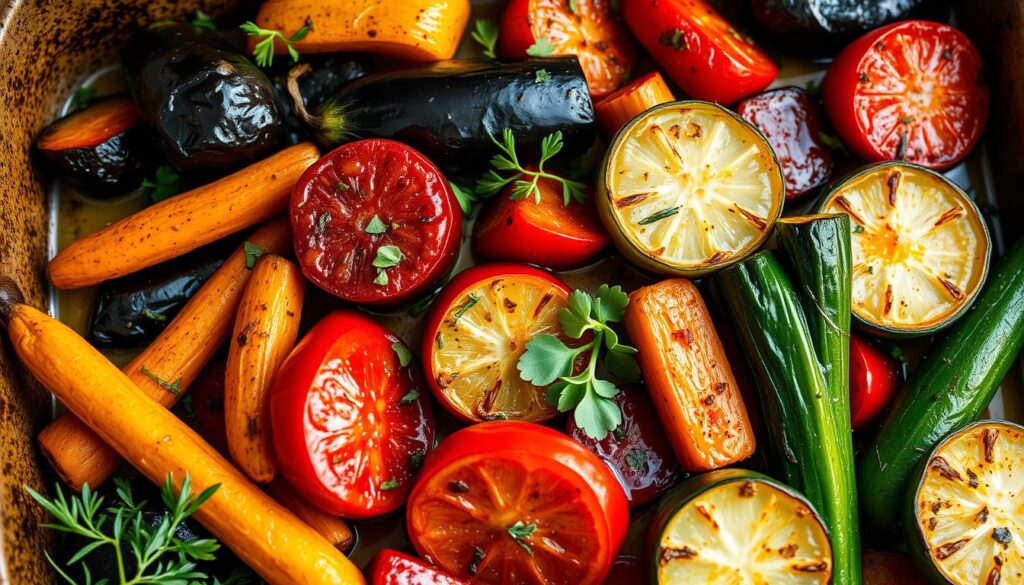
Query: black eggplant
(131, 311)
(819, 27)
(328, 75)
(212, 109)
(100, 150)
(449, 110)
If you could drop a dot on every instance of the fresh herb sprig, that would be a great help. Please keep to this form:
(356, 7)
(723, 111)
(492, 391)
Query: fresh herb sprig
(159, 555)
(485, 32)
(547, 361)
(163, 184)
(202, 20)
(525, 180)
(263, 52)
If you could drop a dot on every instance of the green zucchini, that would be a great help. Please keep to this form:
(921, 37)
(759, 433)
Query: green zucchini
(962, 516)
(809, 434)
(736, 526)
(951, 388)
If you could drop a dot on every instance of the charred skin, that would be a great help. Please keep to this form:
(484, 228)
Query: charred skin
(211, 108)
(328, 75)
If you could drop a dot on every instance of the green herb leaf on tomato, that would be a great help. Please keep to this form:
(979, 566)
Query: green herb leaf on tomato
(263, 52)
(485, 32)
(375, 226)
(674, 38)
(390, 484)
(411, 396)
(323, 221)
(525, 181)
(252, 253)
(541, 47)
(416, 460)
(521, 533)
(388, 256)
(402, 353)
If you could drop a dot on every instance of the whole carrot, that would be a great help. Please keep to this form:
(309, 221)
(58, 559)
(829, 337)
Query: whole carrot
(185, 222)
(331, 527)
(166, 368)
(264, 534)
(625, 104)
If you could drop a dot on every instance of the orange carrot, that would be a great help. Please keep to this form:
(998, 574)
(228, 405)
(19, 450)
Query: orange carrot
(333, 528)
(265, 332)
(688, 375)
(184, 222)
(166, 368)
(415, 30)
(264, 534)
(625, 104)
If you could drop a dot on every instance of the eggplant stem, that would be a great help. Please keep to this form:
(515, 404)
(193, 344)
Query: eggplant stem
(10, 295)
(297, 102)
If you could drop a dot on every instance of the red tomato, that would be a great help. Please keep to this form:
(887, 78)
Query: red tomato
(912, 90)
(349, 423)
(475, 333)
(874, 378)
(628, 571)
(518, 504)
(585, 28)
(366, 199)
(708, 58)
(637, 451)
(390, 567)
(548, 233)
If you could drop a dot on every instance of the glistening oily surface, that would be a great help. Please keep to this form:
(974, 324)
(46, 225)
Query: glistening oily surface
(75, 217)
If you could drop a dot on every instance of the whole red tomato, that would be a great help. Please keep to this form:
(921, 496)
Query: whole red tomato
(518, 504)
(874, 378)
(912, 90)
(708, 58)
(585, 28)
(349, 421)
(390, 567)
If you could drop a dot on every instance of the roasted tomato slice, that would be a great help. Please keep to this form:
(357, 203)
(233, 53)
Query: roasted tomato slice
(913, 90)
(708, 58)
(518, 504)
(637, 451)
(350, 424)
(874, 378)
(390, 567)
(374, 222)
(585, 28)
(792, 123)
(475, 333)
(548, 233)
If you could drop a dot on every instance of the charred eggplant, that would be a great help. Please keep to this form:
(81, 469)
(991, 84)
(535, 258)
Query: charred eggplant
(328, 75)
(211, 107)
(449, 110)
(97, 150)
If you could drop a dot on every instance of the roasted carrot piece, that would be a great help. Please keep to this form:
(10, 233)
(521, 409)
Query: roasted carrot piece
(185, 222)
(166, 368)
(265, 332)
(264, 534)
(625, 104)
(331, 527)
(688, 375)
(415, 30)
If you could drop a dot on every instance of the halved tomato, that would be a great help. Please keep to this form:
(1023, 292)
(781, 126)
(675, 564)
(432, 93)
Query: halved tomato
(350, 423)
(390, 567)
(913, 90)
(518, 504)
(637, 450)
(874, 378)
(476, 332)
(585, 28)
(548, 233)
(374, 222)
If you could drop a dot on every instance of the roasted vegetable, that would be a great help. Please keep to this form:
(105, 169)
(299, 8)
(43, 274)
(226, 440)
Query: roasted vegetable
(131, 311)
(328, 75)
(615, 110)
(735, 526)
(157, 443)
(963, 514)
(452, 111)
(688, 375)
(101, 150)
(952, 387)
(211, 108)
(185, 222)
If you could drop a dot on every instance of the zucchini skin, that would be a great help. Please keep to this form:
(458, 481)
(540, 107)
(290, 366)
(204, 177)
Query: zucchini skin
(450, 110)
(951, 388)
(811, 445)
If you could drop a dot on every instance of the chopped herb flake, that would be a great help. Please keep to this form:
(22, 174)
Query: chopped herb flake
(322, 221)
(674, 38)
(416, 460)
(382, 278)
(542, 47)
(203, 20)
(388, 256)
(658, 216)
(375, 226)
(542, 76)
(411, 396)
(84, 96)
(471, 300)
(252, 253)
(390, 485)
(174, 388)
(637, 460)
(153, 315)
(521, 533)
(403, 354)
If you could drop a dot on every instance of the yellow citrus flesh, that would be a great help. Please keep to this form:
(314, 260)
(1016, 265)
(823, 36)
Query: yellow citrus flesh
(970, 505)
(481, 339)
(744, 533)
(690, 187)
(920, 248)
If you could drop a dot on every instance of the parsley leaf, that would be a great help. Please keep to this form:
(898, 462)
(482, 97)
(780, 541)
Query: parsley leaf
(390, 485)
(541, 47)
(545, 360)
(163, 185)
(542, 76)
(263, 52)
(388, 256)
(402, 353)
(572, 6)
(375, 226)
(466, 198)
(411, 396)
(521, 532)
(381, 279)
(84, 96)
(252, 253)
(203, 20)
(485, 32)
(525, 181)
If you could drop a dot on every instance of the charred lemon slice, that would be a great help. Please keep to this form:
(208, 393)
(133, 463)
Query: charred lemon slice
(920, 247)
(476, 332)
(733, 526)
(966, 518)
(689, 187)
